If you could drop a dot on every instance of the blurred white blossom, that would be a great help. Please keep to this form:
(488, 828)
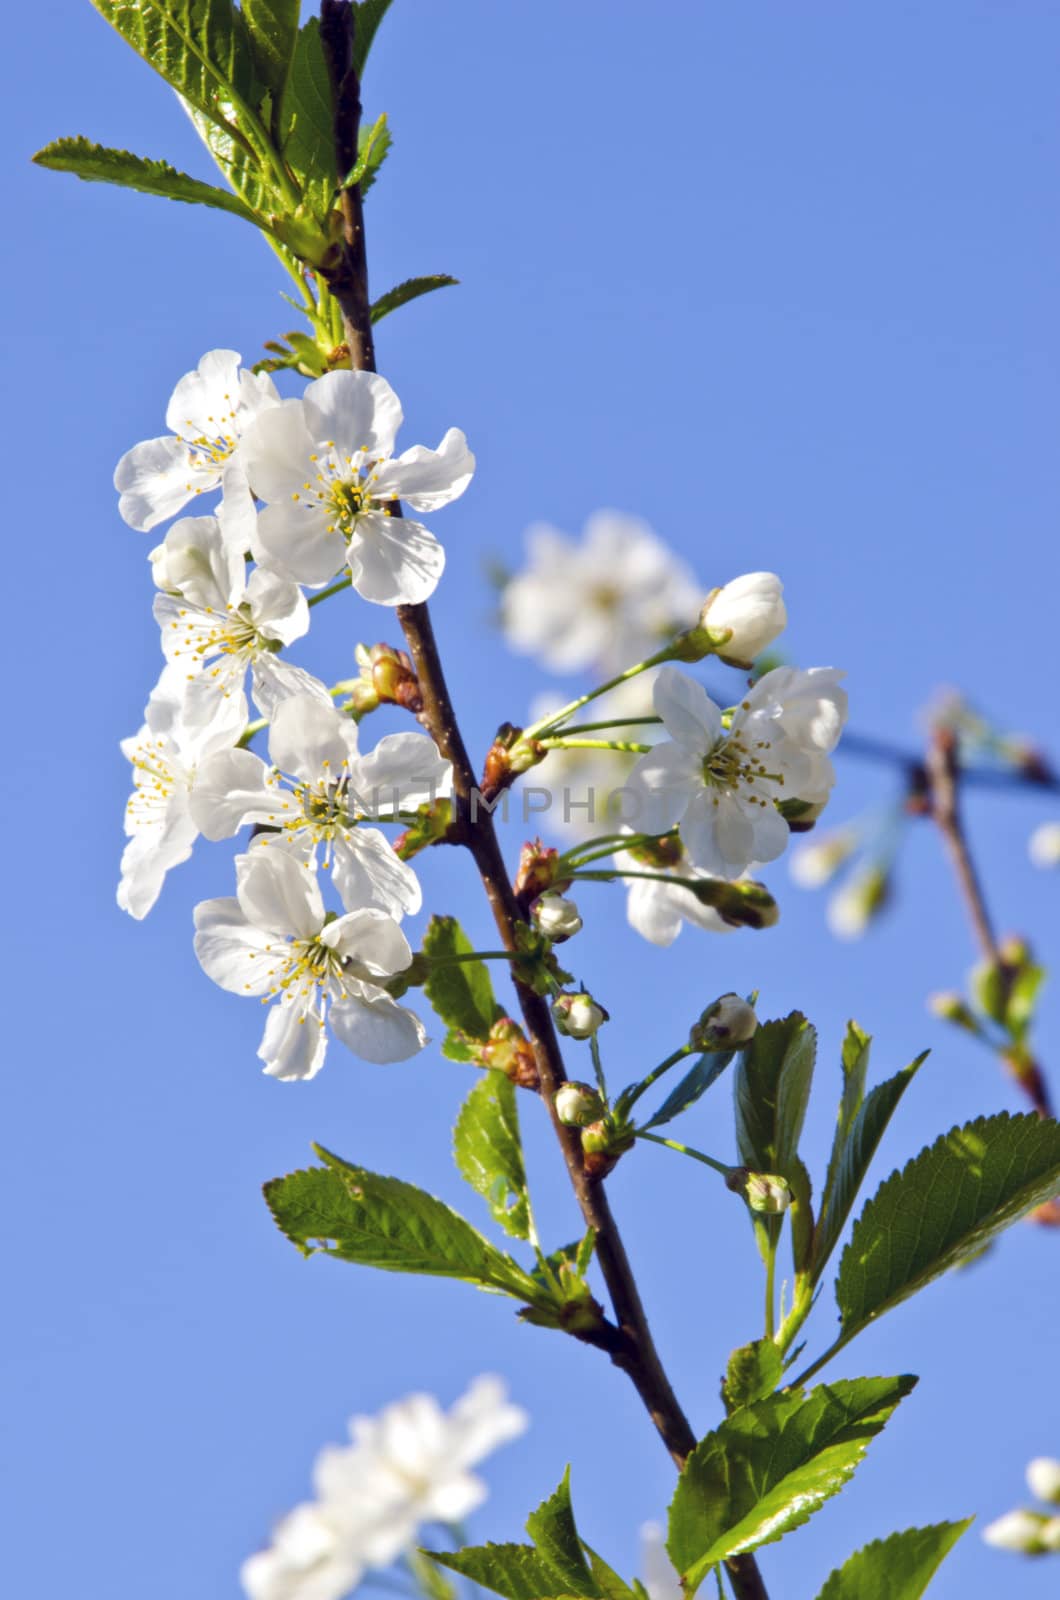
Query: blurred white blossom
(406, 1467)
(605, 601)
(660, 1578)
(1044, 845)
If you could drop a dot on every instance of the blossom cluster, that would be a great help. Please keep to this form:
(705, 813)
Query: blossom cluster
(310, 488)
(307, 487)
(405, 1468)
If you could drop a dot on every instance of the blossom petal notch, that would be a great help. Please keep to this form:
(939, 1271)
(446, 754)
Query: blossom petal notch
(207, 414)
(325, 467)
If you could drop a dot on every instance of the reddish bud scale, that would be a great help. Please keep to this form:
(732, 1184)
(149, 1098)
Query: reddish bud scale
(508, 1050)
(538, 872)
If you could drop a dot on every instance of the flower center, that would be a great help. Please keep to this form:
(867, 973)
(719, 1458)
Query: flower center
(341, 486)
(209, 633)
(738, 766)
(153, 784)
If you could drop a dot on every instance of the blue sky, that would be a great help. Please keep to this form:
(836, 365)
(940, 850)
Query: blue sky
(782, 280)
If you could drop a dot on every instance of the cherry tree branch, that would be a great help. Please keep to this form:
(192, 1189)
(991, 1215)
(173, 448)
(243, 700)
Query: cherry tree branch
(634, 1352)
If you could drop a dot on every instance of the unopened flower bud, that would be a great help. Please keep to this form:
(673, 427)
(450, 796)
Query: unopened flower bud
(508, 1050)
(952, 1007)
(1043, 1478)
(556, 918)
(725, 1025)
(578, 1104)
(801, 815)
(858, 902)
(745, 616)
(434, 819)
(1018, 1530)
(814, 865)
(538, 872)
(1043, 845)
(763, 1191)
(1050, 1536)
(1015, 952)
(742, 903)
(578, 1015)
(508, 757)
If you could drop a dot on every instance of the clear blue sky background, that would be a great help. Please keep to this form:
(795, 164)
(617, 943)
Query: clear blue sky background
(783, 280)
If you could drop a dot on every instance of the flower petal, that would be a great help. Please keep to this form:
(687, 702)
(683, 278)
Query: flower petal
(232, 788)
(378, 1029)
(195, 562)
(294, 1043)
(370, 938)
(274, 451)
(299, 543)
(367, 873)
(311, 739)
(278, 893)
(355, 410)
(277, 606)
(426, 479)
(155, 480)
(204, 402)
(660, 787)
(688, 712)
(393, 561)
(233, 952)
(408, 766)
(274, 681)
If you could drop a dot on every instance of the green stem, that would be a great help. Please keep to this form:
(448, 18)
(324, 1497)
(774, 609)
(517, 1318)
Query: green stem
(815, 1366)
(595, 744)
(615, 722)
(686, 1150)
(631, 1096)
(554, 718)
(771, 1289)
(333, 588)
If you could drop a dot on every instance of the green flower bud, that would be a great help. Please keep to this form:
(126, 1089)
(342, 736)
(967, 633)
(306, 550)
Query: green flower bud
(578, 1104)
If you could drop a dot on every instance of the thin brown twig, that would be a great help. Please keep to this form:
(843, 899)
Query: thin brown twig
(634, 1352)
(944, 794)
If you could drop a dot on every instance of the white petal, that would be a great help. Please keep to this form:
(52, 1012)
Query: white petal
(194, 561)
(231, 789)
(357, 410)
(294, 1042)
(378, 1029)
(688, 712)
(204, 401)
(232, 951)
(482, 1419)
(277, 606)
(660, 787)
(370, 938)
(366, 872)
(294, 539)
(278, 893)
(426, 479)
(214, 698)
(274, 451)
(393, 561)
(148, 857)
(311, 739)
(651, 912)
(155, 480)
(409, 764)
(771, 834)
(274, 681)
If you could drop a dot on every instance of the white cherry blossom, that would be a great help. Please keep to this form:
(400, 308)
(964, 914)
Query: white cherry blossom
(165, 756)
(274, 940)
(660, 1579)
(751, 611)
(318, 790)
(607, 601)
(405, 1467)
(208, 412)
(657, 908)
(217, 622)
(721, 786)
(325, 466)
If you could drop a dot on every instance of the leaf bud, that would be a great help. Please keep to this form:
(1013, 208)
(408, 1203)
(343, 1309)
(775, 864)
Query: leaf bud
(725, 1025)
(578, 1104)
(432, 826)
(558, 919)
(578, 1015)
(508, 1050)
(952, 1007)
(989, 986)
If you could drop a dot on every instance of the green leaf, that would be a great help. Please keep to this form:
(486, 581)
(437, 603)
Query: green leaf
(456, 1046)
(238, 166)
(460, 992)
(272, 26)
(707, 1070)
(198, 46)
(753, 1372)
(898, 1568)
(942, 1208)
(489, 1151)
(367, 17)
(857, 1045)
(769, 1466)
(608, 1583)
(1023, 998)
(772, 1088)
(859, 1147)
(513, 1570)
(308, 122)
(411, 289)
(373, 147)
(555, 1536)
(358, 1216)
(98, 164)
